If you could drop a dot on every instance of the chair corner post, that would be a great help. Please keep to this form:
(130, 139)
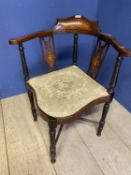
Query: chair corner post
(115, 75)
(23, 61)
(111, 93)
(75, 49)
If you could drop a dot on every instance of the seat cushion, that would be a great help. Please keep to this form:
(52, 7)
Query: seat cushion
(64, 92)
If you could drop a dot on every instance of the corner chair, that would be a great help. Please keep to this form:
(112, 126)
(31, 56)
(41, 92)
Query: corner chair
(61, 96)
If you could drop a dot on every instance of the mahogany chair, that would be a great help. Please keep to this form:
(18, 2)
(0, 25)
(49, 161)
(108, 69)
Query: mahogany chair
(63, 95)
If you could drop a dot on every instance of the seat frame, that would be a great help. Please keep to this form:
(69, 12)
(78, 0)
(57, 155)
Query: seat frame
(77, 25)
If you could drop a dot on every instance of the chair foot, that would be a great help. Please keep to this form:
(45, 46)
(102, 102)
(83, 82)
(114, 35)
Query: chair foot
(103, 118)
(100, 128)
(53, 159)
(52, 132)
(98, 134)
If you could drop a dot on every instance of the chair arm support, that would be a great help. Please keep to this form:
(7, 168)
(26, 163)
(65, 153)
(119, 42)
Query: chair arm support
(116, 44)
(31, 36)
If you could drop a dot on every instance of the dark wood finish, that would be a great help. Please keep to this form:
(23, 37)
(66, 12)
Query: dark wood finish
(87, 120)
(32, 102)
(39, 34)
(80, 24)
(52, 132)
(115, 74)
(111, 92)
(97, 58)
(26, 78)
(116, 44)
(24, 64)
(93, 53)
(48, 49)
(77, 25)
(103, 118)
(75, 49)
(59, 132)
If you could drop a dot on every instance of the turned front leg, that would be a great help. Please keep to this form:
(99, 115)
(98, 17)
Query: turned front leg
(52, 133)
(33, 108)
(103, 118)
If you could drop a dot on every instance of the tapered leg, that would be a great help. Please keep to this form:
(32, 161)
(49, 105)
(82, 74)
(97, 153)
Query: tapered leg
(103, 118)
(52, 133)
(34, 112)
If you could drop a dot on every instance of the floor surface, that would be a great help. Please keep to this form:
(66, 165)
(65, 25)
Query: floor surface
(24, 144)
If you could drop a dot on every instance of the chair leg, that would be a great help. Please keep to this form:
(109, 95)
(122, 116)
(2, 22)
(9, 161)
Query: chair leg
(103, 118)
(52, 133)
(31, 98)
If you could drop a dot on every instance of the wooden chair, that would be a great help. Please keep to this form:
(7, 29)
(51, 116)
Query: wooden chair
(63, 95)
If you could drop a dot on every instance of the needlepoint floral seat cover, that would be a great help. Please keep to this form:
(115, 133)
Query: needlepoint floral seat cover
(64, 92)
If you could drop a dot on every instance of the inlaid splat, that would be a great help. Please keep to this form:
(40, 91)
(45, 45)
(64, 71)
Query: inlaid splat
(97, 58)
(48, 51)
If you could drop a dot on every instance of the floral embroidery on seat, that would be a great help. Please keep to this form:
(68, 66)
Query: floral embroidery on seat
(63, 85)
(64, 92)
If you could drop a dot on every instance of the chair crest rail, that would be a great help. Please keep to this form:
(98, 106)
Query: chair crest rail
(76, 24)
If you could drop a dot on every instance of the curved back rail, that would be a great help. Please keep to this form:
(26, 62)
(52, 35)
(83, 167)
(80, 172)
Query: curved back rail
(76, 24)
